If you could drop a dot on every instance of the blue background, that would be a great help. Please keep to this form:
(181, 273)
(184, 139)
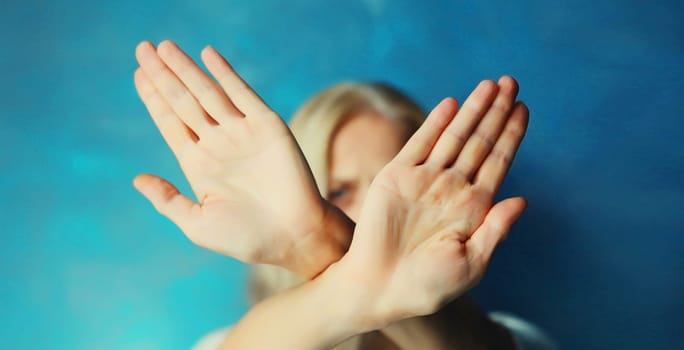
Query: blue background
(86, 263)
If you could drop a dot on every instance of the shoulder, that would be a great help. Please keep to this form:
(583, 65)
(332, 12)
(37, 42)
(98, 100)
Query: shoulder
(212, 340)
(527, 336)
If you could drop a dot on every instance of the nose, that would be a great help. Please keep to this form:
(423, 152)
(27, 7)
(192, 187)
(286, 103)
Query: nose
(355, 206)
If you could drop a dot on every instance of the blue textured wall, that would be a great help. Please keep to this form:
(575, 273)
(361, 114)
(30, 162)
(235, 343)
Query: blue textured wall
(85, 262)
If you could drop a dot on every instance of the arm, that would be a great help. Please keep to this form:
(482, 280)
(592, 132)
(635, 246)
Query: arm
(468, 160)
(425, 235)
(461, 324)
(315, 315)
(227, 140)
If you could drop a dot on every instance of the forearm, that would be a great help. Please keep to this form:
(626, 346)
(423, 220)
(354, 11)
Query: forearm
(315, 315)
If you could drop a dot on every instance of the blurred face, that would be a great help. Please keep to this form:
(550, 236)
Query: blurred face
(362, 146)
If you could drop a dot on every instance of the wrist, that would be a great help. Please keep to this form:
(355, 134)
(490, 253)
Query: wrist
(349, 300)
(327, 242)
(319, 237)
(336, 232)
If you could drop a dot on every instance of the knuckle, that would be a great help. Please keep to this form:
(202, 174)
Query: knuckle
(206, 87)
(461, 173)
(501, 157)
(516, 129)
(484, 138)
(457, 135)
(501, 106)
(180, 95)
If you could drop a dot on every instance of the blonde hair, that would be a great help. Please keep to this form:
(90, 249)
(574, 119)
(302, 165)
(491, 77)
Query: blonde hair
(314, 125)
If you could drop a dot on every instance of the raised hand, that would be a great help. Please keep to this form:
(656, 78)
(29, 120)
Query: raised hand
(427, 228)
(257, 200)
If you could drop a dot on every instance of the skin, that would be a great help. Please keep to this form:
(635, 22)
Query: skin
(425, 232)
(361, 147)
(406, 260)
(242, 164)
(359, 150)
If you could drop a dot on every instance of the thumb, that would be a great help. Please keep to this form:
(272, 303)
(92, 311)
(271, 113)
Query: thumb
(495, 227)
(165, 197)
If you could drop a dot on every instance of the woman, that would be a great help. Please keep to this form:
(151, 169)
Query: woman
(423, 236)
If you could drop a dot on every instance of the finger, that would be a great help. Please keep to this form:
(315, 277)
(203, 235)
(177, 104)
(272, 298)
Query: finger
(239, 92)
(418, 147)
(493, 230)
(166, 198)
(175, 133)
(494, 169)
(459, 130)
(205, 90)
(172, 89)
(484, 137)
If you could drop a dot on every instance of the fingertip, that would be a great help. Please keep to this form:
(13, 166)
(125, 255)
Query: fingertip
(523, 105)
(443, 112)
(450, 102)
(142, 83)
(488, 85)
(523, 111)
(509, 83)
(214, 61)
(142, 47)
(208, 51)
(521, 203)
(139, 74)
(143, 44)
(517, 206)
(166, 47)
(209, 56)
(166, 42)
(446, 107)
(507, 79)
(139, 181)
(136, 73)
(138, 186)
(205, 53)
(486, 90)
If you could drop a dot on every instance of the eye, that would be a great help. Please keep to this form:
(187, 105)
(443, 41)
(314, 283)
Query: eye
(338, 193)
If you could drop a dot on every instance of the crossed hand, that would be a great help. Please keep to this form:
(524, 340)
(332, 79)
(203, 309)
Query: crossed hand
(427, 228)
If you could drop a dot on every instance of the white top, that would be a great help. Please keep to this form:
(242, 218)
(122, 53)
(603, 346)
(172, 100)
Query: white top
(213, 340)
(525, 335)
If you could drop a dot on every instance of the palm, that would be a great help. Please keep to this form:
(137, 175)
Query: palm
(249, 183)
(433, 223)
(427, 227)
(256, 195)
